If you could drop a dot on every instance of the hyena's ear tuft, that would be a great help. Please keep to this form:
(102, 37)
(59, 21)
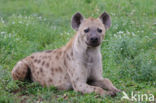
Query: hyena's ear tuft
(76, 20)
(106, 20)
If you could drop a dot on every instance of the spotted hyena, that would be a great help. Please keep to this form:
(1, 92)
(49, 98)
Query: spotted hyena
(77, 65)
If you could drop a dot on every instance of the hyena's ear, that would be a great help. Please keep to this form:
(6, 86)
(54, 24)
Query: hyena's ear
(76, 20)
(106, 20)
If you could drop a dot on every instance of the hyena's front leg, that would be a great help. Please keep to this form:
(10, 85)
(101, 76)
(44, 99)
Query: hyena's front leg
(85, 88)
(78, 80)
(106, 84)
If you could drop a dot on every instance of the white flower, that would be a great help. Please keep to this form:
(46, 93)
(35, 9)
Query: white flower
(9, 35)
(2, 20)
(20, 22)
(115, 35)
(3, 32)
(127, 32)
(113, 14)
(13, 22)
(40, 17)
(119, 36)
(27, 24)
(120, 32)
(133, 34)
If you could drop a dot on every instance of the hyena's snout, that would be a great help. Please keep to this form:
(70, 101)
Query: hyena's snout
(93, 40)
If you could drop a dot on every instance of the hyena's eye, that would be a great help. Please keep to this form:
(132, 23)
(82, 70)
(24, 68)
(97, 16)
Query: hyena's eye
(86, 30)
(99, 30)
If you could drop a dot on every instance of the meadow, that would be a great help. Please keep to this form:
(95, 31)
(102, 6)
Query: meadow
(128, 50)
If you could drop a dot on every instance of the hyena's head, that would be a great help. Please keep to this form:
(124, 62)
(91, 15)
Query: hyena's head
(91, 31)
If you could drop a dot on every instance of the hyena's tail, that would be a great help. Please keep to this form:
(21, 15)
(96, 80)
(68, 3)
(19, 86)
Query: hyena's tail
(21, 71)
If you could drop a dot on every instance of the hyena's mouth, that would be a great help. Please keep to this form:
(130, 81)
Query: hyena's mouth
(89, 44)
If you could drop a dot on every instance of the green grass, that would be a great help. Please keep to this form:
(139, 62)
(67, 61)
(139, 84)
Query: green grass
(129, 48)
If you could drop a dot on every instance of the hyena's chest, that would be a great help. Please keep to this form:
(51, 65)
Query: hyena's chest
(88, 66)
(92, 64)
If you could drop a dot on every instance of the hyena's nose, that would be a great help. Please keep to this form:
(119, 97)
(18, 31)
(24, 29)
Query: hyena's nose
(94, 39)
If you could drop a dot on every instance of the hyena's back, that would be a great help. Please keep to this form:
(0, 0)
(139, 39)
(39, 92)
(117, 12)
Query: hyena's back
(46, 67)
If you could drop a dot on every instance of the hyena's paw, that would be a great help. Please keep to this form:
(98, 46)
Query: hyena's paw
(102, 92)
(111, 93)
(114, 91)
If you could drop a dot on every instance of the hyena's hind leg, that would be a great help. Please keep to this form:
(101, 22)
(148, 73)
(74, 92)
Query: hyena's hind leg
(21, 71)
